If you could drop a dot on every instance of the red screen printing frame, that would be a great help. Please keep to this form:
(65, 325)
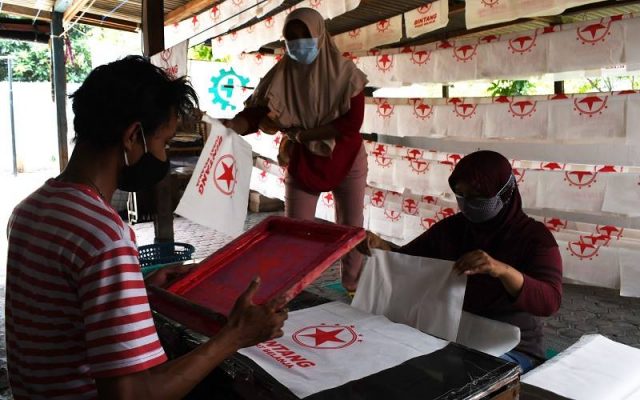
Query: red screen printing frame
(287, 254)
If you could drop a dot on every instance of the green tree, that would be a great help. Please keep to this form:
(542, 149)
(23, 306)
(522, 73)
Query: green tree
(505, 87)
(609, 84)
(32, 61)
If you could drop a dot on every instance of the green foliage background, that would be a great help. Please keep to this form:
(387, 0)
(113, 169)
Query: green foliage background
(32, 61)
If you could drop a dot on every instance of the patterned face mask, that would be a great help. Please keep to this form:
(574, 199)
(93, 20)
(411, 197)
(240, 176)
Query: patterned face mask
(303, 51)
(478, 210)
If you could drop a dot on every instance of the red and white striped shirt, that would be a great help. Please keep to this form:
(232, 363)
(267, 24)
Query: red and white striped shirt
(76, 304)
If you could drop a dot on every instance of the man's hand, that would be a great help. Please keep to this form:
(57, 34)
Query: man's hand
(238, 124)
(479, 262)
(372, 241)
(163, 276)
(252, 324)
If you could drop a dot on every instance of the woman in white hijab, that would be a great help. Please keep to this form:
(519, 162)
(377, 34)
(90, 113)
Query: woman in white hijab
(315, 96)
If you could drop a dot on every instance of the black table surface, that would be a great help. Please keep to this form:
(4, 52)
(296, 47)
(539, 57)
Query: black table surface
(454, 372)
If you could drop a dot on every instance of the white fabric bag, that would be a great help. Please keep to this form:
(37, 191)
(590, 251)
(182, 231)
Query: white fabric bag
(594, 368)
(329, 345)
(420, 292)
(218, 192)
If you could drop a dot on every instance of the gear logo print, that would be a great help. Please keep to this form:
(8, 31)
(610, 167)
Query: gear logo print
(224, 85)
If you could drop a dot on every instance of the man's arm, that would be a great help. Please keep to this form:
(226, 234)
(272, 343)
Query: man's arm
(248, 325)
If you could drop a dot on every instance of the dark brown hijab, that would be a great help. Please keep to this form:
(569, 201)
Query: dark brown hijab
(508, 237)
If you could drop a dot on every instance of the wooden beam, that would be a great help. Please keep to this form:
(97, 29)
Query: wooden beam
(188, 10)
(76, 7)
(21, 11)
(23, 25)
(112, 23)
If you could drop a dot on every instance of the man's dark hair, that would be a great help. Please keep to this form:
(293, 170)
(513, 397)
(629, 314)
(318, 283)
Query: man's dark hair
(119, 93)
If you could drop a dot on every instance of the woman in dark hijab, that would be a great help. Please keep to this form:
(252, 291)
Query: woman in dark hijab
(512, 261)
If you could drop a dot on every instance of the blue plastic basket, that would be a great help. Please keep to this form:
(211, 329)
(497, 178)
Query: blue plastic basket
(155, 256)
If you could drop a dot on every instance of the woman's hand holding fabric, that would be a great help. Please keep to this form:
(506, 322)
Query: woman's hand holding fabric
(294, 134)
(479, 262)
(238, 124)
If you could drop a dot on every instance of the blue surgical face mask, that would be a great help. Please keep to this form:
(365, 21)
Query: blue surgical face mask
(303, 51)
(478, 210)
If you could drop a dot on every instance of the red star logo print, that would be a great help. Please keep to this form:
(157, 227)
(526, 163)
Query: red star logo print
(465, 110)
(522, 108)
(583, 251)
(590, 105)
(225, 174)
(326, 337)
(552, 166)
(378, 198)
(385, 110)
(328, 200)
(383, 25)
(594, 33)
(489, 38)
(580, 179)
(522, 44)
(610, 231)
(555, 224)
(214, 13)
(465, 53)
(384, 62)
(490, 3)
(421, 110)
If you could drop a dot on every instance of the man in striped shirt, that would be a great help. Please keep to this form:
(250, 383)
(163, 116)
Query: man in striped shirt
(78, 322)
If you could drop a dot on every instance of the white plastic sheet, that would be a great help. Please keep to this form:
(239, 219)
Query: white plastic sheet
(629, 273)
(218, 191)
(486, 335)
(623, 195)
(571, 190)
(592, 45)
(172, 60)
(516, 55)
(518, 118)
(591, 118)
(587, 260)
(383, 32)
(594, 368)
(216, 20)
(269, 30)
(332, 344)
(612, 117)
(488, 12)
(420, 292)
(425, 293)
(427, 18)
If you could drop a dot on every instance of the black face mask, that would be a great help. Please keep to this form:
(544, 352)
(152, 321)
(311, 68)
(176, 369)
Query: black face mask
(145, 173)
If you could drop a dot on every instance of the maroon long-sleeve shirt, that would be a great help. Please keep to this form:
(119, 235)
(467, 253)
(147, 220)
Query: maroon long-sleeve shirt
(316, 173)
(531, 250)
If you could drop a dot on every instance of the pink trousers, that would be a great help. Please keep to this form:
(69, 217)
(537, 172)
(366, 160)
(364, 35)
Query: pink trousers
(349, 205)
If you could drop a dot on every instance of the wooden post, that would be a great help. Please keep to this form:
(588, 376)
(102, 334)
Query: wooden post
(558, 87)
(152, 27)
(445, 91)
(152, 43)
(59, 86)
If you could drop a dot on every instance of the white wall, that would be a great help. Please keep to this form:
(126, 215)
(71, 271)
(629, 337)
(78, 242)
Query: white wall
(35, 126)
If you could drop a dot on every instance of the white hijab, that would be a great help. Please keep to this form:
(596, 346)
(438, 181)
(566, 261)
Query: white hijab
(309, 96)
